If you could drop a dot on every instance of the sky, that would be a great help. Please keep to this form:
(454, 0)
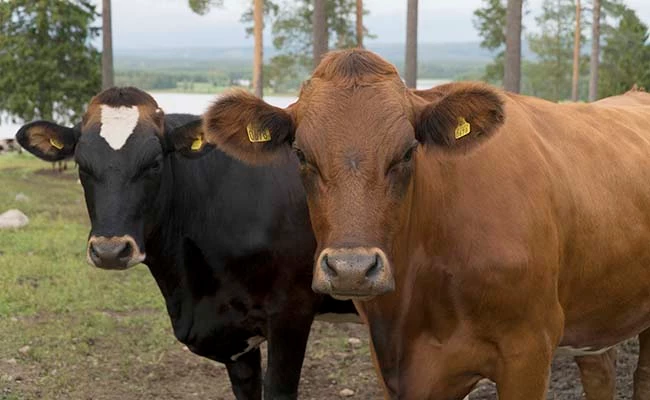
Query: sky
(171, 23)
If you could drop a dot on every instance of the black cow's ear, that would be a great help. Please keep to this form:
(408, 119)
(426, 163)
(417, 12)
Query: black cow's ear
(462, 118)
(188, 140)
(47, 140)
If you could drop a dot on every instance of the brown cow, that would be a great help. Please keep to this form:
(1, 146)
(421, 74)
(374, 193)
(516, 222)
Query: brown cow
(496, 227)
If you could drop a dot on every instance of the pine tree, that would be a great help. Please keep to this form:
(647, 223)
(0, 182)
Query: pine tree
(490, 21)
(550, 77)
(626, 56)
(50, 69)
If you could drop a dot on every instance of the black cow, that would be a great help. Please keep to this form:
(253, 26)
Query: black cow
(230, 246)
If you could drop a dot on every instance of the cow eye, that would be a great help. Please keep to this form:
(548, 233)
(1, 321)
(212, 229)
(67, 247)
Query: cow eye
(155, 167)
(300, 155)
(83, 171)
(408, 156)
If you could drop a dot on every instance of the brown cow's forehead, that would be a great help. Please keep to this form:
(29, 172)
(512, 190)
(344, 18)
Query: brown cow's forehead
(371, 121)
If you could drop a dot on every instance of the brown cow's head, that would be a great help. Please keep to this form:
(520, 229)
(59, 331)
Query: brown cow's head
(357, 131)
(119, 146)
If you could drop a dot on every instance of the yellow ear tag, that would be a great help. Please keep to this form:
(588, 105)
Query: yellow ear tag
(462, 129)
(56, 144)
(257, 136)
(196, 144)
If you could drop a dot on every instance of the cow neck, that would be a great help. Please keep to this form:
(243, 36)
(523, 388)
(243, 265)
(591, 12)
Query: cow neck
(415, 249)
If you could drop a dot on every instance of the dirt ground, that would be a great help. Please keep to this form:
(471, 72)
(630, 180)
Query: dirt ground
(332, 365)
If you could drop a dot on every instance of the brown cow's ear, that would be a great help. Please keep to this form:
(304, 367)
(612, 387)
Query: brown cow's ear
(47, 140)
(462, 118)
(248, 128)
(188, 140)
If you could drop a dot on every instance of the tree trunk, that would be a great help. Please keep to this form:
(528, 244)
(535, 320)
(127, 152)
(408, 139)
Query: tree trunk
(576, 55)
(107, 48)
(411, 61)
(258, 58)
(360, 23)
(320, 33)
(512, 66)
(595, 53)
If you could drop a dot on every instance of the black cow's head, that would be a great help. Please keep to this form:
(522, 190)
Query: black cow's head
(119, 146)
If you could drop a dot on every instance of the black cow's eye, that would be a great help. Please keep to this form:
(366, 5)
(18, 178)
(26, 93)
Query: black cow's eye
(155, 167)
(85, 172)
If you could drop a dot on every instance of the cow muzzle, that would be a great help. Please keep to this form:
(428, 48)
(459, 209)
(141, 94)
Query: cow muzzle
(353, 273)
(117, 252)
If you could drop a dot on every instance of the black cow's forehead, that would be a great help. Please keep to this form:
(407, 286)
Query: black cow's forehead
(141, 147)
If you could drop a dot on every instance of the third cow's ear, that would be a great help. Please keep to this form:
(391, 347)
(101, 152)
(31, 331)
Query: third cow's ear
(248, 128)
(462, 118)
(188, 139)
(47, 140)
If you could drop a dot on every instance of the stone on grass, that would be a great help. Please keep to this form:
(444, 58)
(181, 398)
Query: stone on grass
(21, 197)
(354, 342)
(346, 393)
(24, 350)
(13, 219)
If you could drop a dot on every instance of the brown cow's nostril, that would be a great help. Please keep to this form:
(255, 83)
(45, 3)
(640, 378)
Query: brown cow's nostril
(329, 269)
(375, 267)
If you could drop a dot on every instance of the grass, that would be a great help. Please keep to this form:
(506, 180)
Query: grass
(52, 301)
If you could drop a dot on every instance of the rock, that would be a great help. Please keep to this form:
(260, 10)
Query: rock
(354, 342)
(13, 219)
(21, 197)
(24, 350)
(346, 393)
(11, 361)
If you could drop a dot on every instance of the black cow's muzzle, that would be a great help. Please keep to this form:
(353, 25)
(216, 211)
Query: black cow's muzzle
(117, 252)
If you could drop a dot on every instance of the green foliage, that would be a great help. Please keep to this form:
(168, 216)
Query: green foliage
(550, 77)
(292, 35)
(49, 67)
(626, 56)
(490, 21)
(202, 7)
(271, 10)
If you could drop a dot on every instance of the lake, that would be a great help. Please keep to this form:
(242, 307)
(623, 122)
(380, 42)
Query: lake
(198, 103)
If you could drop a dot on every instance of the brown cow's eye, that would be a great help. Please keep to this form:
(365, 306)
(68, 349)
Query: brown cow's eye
(300, 155)
(408, 156)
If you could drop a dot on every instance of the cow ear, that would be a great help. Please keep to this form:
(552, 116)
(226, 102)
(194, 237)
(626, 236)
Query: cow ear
(47, 140)
(462, 118)
(248, 128)
(188, 140)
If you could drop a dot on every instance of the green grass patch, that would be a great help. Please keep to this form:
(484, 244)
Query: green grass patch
(52, 301)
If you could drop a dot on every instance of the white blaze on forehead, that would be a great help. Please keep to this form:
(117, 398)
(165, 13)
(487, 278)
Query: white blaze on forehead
(118, 124)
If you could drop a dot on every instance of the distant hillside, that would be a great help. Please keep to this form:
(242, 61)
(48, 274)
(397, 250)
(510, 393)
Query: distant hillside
(470, 52)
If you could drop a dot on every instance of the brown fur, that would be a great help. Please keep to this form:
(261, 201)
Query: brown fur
(533, 239)
(225, 125)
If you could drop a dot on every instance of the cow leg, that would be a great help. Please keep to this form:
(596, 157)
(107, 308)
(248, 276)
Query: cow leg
(287, 342)
(642, 373)
(246, 376)
(598, 375)
(524, 368)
